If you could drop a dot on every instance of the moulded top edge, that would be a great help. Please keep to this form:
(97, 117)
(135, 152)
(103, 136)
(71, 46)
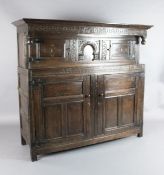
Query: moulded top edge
(79, 23)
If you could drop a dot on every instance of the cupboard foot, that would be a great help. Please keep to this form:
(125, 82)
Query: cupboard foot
(140, 134)
(23, 142)
(34, 157)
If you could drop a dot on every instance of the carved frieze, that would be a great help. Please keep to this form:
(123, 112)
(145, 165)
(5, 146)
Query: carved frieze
(86, 29)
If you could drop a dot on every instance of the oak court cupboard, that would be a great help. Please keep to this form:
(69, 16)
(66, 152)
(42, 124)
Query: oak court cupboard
(80, 83)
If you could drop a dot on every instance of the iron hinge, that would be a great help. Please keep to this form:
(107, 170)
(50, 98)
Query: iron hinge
(37, 82)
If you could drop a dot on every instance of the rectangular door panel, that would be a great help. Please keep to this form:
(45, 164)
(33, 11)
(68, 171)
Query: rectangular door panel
(53, 121)
(111, 112)
(128, 105)
(118, 82)
(63, 89)
(75, 118)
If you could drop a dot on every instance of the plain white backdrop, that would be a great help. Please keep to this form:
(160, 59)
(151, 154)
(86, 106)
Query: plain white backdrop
(114, 11)
(152, 55)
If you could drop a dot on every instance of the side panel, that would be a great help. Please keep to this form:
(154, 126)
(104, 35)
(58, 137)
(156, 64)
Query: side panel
(22, 50)
(23, 89)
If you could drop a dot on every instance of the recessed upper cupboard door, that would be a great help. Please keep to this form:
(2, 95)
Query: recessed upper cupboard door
(117, 103)
(43, 47)
(123, 49)
(62, 108)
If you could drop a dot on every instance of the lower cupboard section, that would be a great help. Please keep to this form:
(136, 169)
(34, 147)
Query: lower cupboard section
(79, 110)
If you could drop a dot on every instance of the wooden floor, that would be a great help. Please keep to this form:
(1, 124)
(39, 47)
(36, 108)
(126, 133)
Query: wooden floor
(130, 155)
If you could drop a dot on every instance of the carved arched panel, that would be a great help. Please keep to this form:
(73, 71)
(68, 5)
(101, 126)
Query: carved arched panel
(94, 50)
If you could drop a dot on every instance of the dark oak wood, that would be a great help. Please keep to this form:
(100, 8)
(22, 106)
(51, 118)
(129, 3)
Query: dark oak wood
(80, 83)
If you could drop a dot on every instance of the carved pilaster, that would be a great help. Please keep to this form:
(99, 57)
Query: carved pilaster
(105, 49)
(70, 51)
(33, 48)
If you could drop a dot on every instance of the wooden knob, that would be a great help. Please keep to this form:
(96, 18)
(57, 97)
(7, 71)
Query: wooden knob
(87, 96)
(101, 95)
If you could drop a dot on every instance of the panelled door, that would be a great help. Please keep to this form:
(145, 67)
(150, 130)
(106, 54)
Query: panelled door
(61, 108)
(117, 98)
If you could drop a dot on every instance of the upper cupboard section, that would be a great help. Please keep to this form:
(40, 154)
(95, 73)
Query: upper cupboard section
(79, 49)
(78, 41)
